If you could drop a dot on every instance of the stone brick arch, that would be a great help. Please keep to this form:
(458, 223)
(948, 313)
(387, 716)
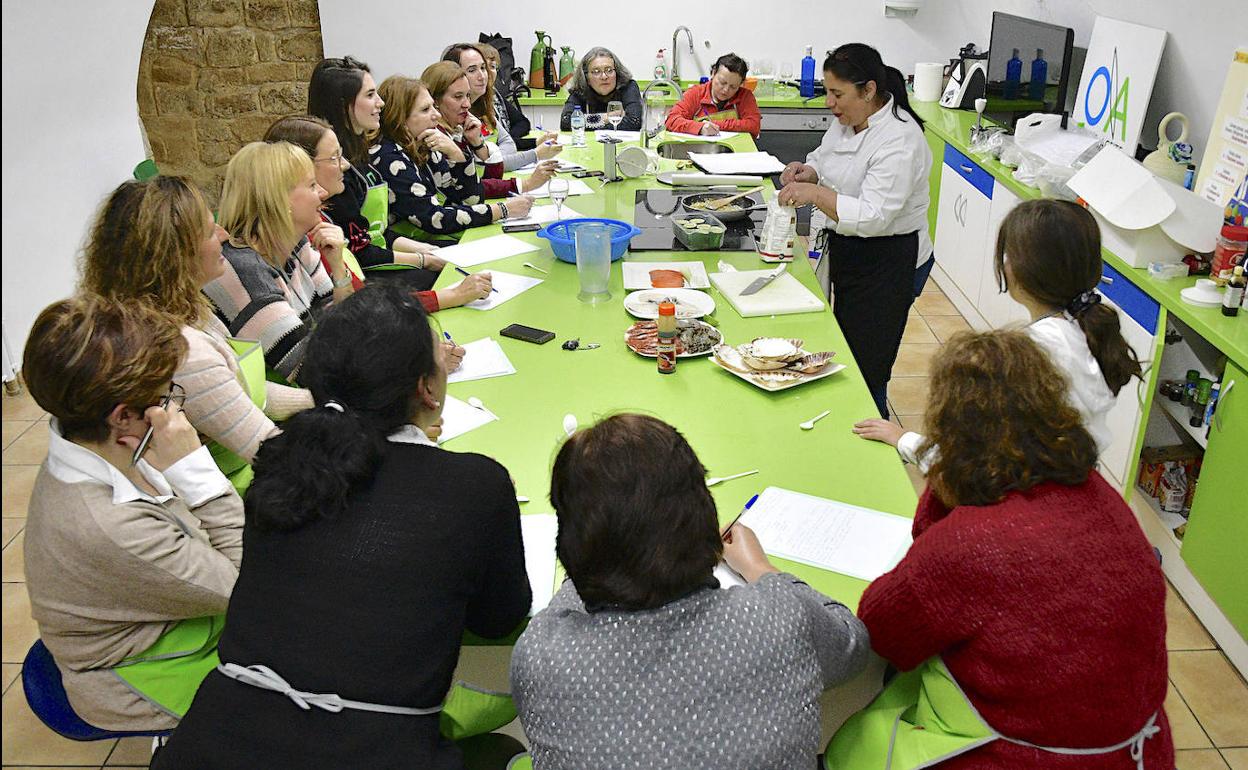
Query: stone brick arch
(214, 74)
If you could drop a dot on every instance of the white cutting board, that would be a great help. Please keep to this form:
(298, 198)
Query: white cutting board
(782, 296)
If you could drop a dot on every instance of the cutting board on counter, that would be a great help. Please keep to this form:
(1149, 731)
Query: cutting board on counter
(782, 296)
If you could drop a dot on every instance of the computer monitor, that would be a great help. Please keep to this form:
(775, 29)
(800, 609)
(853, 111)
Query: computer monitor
(1020, 47)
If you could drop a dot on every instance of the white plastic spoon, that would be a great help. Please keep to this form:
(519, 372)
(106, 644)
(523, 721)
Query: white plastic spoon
(713, 481)
(473, 401)
(532, 266)
(521, 499)
(569, 424)
(811, 422)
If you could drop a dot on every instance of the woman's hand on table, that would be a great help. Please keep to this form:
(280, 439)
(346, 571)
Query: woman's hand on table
(548, 146)
(798, 172)
(433, 261)
(708, 129)
(745, 554)
(473, 287)
(541, 175)
(454, 356)
(436, 140)
(519, 206)
(876, 429)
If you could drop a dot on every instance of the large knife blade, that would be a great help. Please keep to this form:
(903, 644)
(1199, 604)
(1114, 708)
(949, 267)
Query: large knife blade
(760, 282)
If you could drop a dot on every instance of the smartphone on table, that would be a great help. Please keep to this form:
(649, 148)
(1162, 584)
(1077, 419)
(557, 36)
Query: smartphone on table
(527, 334)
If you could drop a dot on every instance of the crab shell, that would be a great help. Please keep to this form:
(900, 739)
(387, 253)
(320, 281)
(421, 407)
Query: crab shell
(811, 363)
(774, 349)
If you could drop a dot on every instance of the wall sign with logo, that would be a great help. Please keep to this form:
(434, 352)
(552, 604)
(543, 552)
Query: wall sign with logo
(1117, 80)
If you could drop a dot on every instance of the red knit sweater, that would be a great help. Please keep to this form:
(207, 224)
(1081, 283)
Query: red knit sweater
(1049, 610)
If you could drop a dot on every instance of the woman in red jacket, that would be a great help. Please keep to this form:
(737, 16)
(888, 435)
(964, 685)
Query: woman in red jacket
(720, 104)
(1029, 613)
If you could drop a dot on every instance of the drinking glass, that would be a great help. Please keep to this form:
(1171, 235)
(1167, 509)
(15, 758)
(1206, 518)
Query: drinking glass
(615, 113)
(593, 261)
(786, 73)
(766, 70)
(558, 189)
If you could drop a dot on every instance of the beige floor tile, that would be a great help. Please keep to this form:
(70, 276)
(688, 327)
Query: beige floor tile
(10, 529)
(914, 422)
(18, 481)
(918, 331)
(1184, 728)
(913, 312)
(914, 359)
(1183, 630)
(15, 428)
(935, 304)
(20, 630)
(29, 449)
(1215, 693)
(945, 326)
(28, 742)
(931, 287)
(131, 752)
(13, 563)
(21, 407)
(1199, 759)
(908, 395)
(1236, 758)
(10, 674)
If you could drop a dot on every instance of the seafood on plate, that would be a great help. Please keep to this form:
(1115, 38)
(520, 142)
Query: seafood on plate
(667, 279)
(694, 338)
(777, 357)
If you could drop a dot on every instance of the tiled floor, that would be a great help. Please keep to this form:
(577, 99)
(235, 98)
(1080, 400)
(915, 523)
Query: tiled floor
(1207, 703)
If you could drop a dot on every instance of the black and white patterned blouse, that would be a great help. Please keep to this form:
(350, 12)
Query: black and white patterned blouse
(438, 197)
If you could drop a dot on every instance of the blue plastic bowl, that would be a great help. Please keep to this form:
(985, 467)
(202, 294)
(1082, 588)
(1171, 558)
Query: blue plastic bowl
(562, 234)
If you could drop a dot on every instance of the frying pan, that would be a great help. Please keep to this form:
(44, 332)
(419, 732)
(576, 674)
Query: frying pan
(745, 202)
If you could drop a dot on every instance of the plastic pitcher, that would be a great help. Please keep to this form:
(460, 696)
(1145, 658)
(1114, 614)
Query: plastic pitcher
(593, 261)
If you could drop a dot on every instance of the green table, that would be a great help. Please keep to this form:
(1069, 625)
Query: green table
(732, 425)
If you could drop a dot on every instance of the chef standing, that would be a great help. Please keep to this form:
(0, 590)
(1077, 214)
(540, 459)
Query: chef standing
(869, 176)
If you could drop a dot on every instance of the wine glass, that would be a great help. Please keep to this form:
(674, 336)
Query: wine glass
(766, 70)
(558, 190)
(786, 72)
(615, 113)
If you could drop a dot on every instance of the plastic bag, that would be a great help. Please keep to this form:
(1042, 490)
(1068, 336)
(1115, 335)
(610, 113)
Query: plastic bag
(1010, 152)
(1052, 179)
(775, 244)
(986, 142)
(1029, 167)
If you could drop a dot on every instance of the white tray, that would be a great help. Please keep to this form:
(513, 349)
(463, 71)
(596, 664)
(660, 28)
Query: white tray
(637, 274)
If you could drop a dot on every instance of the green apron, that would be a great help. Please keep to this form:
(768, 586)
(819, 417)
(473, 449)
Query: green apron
(376, 208)
(923, 718)
(168, 673)
(251, 365)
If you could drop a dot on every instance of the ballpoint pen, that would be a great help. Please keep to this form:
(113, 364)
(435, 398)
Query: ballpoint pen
(724, 533)
(462, 271)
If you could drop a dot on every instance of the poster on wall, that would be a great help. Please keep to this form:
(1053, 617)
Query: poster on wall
(1223, 177)
(1117, 80)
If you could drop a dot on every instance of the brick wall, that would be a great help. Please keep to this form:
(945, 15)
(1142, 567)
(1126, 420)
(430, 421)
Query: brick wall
(215, 73)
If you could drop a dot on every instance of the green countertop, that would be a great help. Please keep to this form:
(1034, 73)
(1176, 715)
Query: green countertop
(1229, 335)
(732, 425)
(785, 97)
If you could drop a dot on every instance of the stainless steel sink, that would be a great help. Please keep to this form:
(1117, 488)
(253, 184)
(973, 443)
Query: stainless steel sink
(681, 150)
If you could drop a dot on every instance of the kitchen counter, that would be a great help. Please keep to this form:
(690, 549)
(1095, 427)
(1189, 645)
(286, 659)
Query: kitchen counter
(785, 98)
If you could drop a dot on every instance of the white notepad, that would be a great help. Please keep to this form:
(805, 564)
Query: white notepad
(827, 534)
(485, 250)
(482, 359)
(737, 162)
(506, 285)
(539, 531)
(459, 417)
(575, 187)
(722, 136)
(540, 215)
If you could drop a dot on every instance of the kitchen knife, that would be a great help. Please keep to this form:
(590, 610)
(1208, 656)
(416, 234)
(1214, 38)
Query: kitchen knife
(762, 281)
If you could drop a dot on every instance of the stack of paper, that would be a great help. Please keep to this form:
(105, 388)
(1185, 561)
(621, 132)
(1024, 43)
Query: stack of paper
(823, 533)
(564, 166)
(467, 254)
(575, 187)
(623, 136)
(540, 215)
(482, 358)
(737, 162)
(539, 531)
(506, 286)
(459, 417)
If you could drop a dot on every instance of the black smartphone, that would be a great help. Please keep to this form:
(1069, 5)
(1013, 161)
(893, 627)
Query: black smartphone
(527, 333)
(584, 173)
(521, 227)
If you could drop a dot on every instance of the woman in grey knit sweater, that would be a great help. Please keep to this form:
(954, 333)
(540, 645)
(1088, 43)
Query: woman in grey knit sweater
(641, 660)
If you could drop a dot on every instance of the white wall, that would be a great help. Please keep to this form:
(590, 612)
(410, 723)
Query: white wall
(71, 134)
(1203, 34)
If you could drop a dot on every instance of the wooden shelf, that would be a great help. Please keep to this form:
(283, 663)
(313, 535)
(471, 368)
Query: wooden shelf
(1179, 415)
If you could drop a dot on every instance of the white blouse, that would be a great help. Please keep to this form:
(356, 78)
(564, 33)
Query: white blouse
(880, 175)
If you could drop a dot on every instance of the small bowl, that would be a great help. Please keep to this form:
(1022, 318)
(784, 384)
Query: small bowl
(562, 236)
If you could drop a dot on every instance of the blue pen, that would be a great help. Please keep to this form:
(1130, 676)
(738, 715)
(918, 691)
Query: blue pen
(448, 337)
(733, 523)
(462, 271)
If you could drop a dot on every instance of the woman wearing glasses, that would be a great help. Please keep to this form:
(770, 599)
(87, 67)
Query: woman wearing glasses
(133, 536)
(598, 81)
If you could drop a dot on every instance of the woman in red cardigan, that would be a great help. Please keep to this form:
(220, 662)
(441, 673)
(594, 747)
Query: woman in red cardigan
(1029, 587)
(720, 104)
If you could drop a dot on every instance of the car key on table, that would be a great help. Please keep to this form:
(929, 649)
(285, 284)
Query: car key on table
(575, 344)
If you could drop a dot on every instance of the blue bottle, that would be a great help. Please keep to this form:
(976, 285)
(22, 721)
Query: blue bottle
(1039, 77)
(1013, 76)
(807, 86)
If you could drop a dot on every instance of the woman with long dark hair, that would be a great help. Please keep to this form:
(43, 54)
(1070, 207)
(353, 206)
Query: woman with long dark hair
(869, 179)
(367, 559)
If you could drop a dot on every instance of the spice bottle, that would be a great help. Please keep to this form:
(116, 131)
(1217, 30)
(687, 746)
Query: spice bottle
(1189, 387)
(666, 348)
(1234, 294)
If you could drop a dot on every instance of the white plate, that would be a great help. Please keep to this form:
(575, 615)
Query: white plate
(759, 379)
(637, 274)
(689, 303)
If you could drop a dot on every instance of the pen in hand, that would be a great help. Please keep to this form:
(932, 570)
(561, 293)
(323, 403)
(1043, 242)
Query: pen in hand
(724, 532)
(462, 271)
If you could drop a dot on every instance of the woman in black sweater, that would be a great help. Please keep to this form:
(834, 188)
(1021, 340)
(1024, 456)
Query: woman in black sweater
(365, 563)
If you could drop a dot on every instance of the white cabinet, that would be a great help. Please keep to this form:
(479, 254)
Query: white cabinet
(962, 222)
(997, 307)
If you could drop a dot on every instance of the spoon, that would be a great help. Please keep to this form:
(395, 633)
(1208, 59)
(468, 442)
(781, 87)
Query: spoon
(713, 481)
(569, 424)
(521, 499)
(475, 402)
(811, 422)
(532, 266)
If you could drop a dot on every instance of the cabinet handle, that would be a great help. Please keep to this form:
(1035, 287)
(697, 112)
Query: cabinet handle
(965, 169)
(1107, 279)
(1217, 410)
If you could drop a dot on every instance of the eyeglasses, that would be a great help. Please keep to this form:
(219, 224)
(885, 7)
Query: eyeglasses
(176, 395)
(336, 159)
(603, 73)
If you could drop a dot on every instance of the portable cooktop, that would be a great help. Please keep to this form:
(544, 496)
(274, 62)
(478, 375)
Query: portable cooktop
(653, 214)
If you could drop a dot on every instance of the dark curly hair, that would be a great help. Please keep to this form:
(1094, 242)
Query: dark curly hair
(999, 413)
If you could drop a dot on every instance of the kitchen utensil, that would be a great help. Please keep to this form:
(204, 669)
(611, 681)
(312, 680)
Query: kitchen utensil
(717, 479)
(716, 205)
(593, 261)
(476, 403)
(532, 266)
(759, 283)
(636, 161)
(785, 295)
(748, 204)
(810, 424)
(569, 424)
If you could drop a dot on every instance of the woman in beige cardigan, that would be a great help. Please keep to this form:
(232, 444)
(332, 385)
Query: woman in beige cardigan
(155, 243)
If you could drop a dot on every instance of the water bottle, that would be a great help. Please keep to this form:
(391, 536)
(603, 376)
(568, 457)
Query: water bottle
(807, 86)
(1013, 75)
(1039, 77)
(578, 127)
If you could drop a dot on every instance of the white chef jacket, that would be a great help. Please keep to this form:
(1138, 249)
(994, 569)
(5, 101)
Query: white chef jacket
(880, 175)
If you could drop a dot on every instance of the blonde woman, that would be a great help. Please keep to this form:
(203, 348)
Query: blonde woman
(154, 243)
(274, 282)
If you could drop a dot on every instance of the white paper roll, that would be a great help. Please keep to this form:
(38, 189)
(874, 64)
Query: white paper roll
(928, 81)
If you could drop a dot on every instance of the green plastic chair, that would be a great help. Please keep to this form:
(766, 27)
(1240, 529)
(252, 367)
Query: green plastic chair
(146, 170)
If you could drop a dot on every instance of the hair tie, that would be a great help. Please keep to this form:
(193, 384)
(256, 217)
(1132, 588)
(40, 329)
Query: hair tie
(1079, 305)
(334, 405)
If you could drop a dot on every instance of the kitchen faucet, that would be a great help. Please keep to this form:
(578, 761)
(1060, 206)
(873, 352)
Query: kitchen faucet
(647, 135)
(676, 53)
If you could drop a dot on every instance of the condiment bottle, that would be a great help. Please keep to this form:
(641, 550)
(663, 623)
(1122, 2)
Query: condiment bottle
(666, 348)
(1234, 294)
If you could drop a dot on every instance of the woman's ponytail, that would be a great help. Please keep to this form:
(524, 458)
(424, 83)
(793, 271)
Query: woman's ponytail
(1117, 360)
(896, 85)
(859, 63)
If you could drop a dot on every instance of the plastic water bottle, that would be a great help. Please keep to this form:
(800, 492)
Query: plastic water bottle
(807, 86)
(578, 127)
